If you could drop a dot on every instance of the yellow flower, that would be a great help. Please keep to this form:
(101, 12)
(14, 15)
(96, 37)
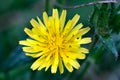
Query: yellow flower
(55, 43)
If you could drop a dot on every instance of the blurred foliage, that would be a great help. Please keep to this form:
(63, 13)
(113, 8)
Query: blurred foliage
(100, 19)
(102, 62)
(9, 5)
(115, 19)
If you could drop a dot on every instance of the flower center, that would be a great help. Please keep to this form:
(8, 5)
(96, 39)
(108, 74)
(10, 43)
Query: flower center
(55, 42)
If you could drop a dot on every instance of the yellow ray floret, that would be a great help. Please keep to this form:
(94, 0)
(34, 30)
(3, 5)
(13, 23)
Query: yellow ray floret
(56, 44)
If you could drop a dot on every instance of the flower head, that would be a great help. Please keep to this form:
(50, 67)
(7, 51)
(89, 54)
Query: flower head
(56, 44)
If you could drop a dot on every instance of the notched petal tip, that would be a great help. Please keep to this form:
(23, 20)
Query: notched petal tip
(90, 40)
(45, 13)
(55, 13)
(86, 40)
(28, 32)
(84, 50)
(74, 63)
(32, 68)
(20, 42)
(88, 28)
(55, 10)
(53, 69)
(81, 56)
(26, 29)
(77, 15)
(32, 20)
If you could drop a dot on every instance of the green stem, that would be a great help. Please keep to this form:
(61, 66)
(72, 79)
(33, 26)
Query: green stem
(84, 70)
(83, 5)
(60, 2)
(96, 39)
(47, 5)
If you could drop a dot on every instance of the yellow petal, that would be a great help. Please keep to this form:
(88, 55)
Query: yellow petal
(24, 42)
(66, 63)
(55, 13)
(74, 31)
(35, 55)
(74, 63)
(82, 32)
(85, 40)
(28, 31)
(34, 23)
(56, 57)
(39, 32)
(75, 20)
(57, 26)
(54, 68)
(61, 68)
(55, 63)
(42, 66)
(34, 36)
(67, 28)
(31, 49)
(84, 50)
(38, 29)
(62, 54)
(40, 22)
(42, 26)
(49, 63)
(72, 55)
(49, 56)
(51, 26)
(30, 42)
(56, 20)
(76, 28)
(35, 43)
(37, 63)
(76, 55)
(68, 66)
(81, 56)
(45, 18)
(62, 19)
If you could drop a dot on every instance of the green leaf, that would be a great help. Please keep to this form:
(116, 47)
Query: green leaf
(112, 10)
(94, 16)
(97, 53)
(102, 22)
(115, 21)
(17, 57)
(109, 43)
(84, 69)
(19, 70)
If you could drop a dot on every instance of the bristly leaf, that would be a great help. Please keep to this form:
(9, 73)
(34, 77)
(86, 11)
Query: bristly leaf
(97, 53)
(102, 22)
(109, 43)
(17, 57)
(94, 16)
(115, 21)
